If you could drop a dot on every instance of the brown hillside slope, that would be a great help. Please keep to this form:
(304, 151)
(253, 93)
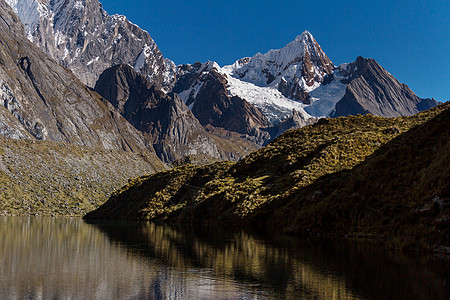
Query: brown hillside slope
(401, 192)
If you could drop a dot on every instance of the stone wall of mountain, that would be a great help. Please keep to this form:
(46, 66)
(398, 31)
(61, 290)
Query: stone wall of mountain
(63, 148)
(45, 101)
(204, 89)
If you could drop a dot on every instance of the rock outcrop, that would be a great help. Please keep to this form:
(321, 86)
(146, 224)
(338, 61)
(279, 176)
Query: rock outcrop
(212, 105)
(296, 121)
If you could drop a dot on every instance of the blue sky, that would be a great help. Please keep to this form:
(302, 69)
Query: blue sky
(411, 39)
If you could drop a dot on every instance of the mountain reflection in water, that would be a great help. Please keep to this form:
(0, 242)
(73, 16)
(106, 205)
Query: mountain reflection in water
(66, 258)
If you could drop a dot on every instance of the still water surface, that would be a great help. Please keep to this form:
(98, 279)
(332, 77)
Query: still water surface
(69, 259)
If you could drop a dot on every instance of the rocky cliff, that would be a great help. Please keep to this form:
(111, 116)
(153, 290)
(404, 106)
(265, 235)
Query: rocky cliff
(204, 90)
(63, 148)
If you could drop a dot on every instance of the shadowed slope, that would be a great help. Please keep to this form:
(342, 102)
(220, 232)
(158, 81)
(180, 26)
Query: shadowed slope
(289, 181)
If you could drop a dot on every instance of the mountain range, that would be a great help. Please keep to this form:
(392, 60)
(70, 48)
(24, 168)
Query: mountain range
(73, 73)
(88, 102)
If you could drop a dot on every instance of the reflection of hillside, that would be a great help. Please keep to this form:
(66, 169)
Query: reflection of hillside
(50, 258)
(235, 256)
(320, 270)
(64, 258)
(68, 259)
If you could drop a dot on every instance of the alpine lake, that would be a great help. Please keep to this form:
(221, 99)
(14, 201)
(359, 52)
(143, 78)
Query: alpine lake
(47, 258)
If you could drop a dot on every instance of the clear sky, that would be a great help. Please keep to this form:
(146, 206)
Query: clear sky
(411, 39)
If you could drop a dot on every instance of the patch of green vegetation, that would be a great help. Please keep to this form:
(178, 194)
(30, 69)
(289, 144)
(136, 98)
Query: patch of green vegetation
(339, 177)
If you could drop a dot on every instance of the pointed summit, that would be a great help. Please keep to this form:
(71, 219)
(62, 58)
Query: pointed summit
(372, 89)
(295, 70)
(306, 35)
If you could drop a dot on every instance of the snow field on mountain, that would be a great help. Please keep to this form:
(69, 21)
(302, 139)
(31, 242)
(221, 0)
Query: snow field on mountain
(268, 100)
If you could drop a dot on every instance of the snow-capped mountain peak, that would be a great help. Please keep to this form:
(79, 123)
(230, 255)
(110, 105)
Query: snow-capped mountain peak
(84, 38)
(277, 82)
(294, 70)
(306, 35)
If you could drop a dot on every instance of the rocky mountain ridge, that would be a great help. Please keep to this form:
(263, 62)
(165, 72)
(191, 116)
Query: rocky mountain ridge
(320, 90)
(63, 148)
(250, 79)
(83, 37)
(203, 87)
(372, 89)
(164, 120)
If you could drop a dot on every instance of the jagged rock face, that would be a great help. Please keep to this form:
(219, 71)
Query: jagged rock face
(295, 70)
(245, 97)
(125, 89)
(10, 127)
(296, 121)
(81, 36)
(165, 120)
(203, 87)
(42, 100)
(371, 89)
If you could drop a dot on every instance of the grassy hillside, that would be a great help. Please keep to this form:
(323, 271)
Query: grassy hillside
(385, 177)
(401, 192)
(55, 179)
